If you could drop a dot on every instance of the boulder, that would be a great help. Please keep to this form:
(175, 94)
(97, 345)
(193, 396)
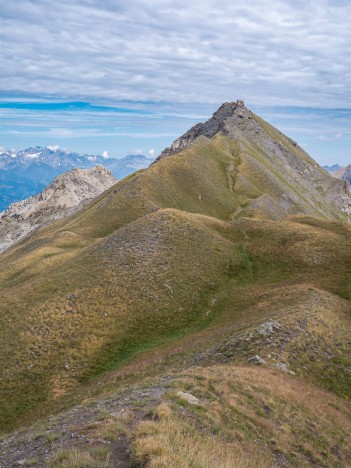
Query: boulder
(256, 360)
(268, 328)
(283, 367)
(191, 399)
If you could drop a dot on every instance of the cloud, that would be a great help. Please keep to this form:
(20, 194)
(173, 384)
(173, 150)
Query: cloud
(105, 154)
(266, 52)
(329, 138)
(151, 152)
(53, 147)
(151, 70)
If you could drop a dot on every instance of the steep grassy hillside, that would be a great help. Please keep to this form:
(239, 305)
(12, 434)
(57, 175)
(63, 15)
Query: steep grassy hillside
(176, 265)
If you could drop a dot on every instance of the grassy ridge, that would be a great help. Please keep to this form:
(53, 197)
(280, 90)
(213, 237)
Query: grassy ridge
(245, 417)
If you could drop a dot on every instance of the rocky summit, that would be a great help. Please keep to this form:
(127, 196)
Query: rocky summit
(196, 313)
(66, 194)
(227, 112)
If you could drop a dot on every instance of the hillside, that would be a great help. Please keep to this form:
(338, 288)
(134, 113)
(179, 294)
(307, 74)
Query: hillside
(65, 194)
(231, 251)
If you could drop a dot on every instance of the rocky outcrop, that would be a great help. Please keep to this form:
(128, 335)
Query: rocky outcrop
(268, 328)
(66, 193)
(228, 110)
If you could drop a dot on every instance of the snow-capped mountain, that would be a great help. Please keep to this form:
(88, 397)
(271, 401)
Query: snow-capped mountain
(26, 172)
(38, 155)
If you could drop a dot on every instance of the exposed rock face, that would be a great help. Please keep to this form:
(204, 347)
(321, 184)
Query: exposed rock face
(344, 173)
(66, 193)
(276, 157)
(217, 123)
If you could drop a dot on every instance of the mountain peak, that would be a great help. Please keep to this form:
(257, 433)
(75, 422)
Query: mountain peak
(265, 159)
(64, 195)
(229, 114)
(229, 108)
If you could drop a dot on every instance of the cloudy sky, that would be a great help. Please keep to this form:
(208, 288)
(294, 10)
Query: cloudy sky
(95, 75)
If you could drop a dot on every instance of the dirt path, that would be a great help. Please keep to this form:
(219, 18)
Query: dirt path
(92, 427)
(232, 172)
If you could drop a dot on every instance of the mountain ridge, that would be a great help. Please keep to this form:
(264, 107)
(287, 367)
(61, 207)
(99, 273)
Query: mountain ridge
(332, 168)
(62, 197)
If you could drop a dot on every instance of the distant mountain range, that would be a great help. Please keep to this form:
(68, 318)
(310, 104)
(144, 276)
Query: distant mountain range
(25, 173)
(340, 172)
(333, 168)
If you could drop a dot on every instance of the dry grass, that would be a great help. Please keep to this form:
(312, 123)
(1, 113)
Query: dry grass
(78, 458)
(109, 428)
(248, 417)
(175, 441)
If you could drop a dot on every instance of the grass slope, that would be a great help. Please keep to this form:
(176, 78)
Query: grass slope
(167, 255)
(245, 417)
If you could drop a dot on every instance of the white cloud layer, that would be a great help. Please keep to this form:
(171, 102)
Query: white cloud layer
(53, 147)
(275, 52)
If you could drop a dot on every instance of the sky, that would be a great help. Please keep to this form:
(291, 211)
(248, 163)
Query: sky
(122, 77)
